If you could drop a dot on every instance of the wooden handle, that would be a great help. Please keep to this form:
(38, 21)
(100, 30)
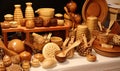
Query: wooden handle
(71, 41)
(76, 43)
(66, 41)
(100, 26)
(91, 41)
(49, 36)
(66, 10)
(109, 27)
(85, 40)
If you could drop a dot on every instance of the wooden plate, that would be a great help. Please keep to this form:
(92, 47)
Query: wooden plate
(96, 8)
(110, 52)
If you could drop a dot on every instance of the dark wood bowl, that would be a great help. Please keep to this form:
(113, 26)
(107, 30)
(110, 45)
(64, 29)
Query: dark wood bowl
(60, 58)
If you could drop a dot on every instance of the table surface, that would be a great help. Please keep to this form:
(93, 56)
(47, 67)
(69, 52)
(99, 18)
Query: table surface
(79, 63)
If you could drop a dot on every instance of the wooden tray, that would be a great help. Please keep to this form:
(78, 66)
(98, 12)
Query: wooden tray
(96, 8)
(110, 52)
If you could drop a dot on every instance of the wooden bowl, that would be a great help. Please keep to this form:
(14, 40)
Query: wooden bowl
(8, 17)
(60, 58)
(57, 40)
(97, 8)
(109, 52)
(47, 12)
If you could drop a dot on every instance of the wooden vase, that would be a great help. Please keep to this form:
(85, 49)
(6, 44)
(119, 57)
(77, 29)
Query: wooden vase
(29, 12)
(18, 15)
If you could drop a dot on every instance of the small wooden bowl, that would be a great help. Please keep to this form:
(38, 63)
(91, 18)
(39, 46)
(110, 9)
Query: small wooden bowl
(58, 58)
(47, 12)
(8, 17)
(57, 40)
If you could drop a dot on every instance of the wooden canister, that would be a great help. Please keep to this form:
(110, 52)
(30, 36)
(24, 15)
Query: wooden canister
(82, 29)
(92, 23)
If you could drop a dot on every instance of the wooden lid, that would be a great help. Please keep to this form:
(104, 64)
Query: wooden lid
(97, 8)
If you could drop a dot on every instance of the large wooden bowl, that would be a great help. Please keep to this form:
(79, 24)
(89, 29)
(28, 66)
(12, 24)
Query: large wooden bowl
(109, 52)
(97, 8)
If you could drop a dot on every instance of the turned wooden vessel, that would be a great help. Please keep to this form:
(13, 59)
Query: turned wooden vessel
(2, 67)
(29, 12)
(18, 15)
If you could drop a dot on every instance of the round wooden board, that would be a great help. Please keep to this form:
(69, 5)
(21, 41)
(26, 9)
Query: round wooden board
(96, 8)
(110, 52)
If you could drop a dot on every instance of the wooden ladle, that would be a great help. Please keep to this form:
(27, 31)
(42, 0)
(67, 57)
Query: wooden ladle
(61, 55)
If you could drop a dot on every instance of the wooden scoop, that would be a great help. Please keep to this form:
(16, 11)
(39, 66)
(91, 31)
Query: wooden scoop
(63, 53)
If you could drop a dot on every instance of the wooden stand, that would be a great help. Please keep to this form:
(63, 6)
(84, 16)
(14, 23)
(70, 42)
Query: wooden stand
(36, 29)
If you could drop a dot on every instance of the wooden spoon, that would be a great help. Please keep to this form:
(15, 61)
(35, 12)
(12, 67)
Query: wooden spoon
(65, 43)
(63, 53)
